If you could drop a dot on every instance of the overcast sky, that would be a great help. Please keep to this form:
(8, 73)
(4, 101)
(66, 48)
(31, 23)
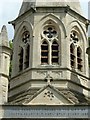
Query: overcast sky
(9, 10)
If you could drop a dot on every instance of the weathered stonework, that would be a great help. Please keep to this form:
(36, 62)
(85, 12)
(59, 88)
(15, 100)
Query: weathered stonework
(4, 65)
(50, 77)
(36, 19)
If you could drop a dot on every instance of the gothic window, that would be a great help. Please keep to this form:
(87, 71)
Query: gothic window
(44, 53)
(50, 46)
(55, 55)
(79, 58)
(75, 51)
(27, 56)
(21, 59)
(72, 56)
(24, 50)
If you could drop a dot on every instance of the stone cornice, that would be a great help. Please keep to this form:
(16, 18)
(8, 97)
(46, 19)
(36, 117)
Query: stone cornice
(50, 68)
(66, 9)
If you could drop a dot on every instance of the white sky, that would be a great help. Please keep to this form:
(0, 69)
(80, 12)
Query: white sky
(9, 10)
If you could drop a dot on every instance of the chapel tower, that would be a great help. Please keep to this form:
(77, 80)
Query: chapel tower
(4, 64)
(50, 64)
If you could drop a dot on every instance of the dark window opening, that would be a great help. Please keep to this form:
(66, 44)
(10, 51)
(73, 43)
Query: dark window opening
(27, 57)
(55, 60)
(44, 60)
(44, 47)
(55, 53)
(72, 56)
(44, 53)
(21, 60)
(79, 59)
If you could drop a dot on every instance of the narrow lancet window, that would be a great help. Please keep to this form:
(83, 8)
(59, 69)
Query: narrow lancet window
(79, 58)
(21, 59)
(72, 56)
(44, 53)
(27, 56)
(50, 44)
(55, 51)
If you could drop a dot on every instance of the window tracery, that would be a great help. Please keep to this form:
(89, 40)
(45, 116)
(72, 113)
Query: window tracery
(74, 37)
(25, 37)
(50, 46)
(50, 32)
(24, 54)
(75, 51)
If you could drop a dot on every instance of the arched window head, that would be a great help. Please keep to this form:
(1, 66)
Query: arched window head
(50, 48)
(24, 49)
(44, 53)
(72, 55)
(55, 53)
(74, 37)
(26, 37)
(27, 56)
(21, 59)
(79, 58)
(75, 49)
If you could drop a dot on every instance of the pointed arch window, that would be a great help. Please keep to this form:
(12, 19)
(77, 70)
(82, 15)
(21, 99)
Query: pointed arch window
(75, 50)
(72, 55)
(44, 53)
(50, 36)
(24, 54)
(27, 56)
(79, 58)
(55, 51)
(21, 59)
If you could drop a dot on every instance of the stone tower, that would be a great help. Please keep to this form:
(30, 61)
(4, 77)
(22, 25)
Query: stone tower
(4, 65)
(50, 64)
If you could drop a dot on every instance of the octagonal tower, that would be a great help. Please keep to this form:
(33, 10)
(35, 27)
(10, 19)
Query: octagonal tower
(50, 64)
